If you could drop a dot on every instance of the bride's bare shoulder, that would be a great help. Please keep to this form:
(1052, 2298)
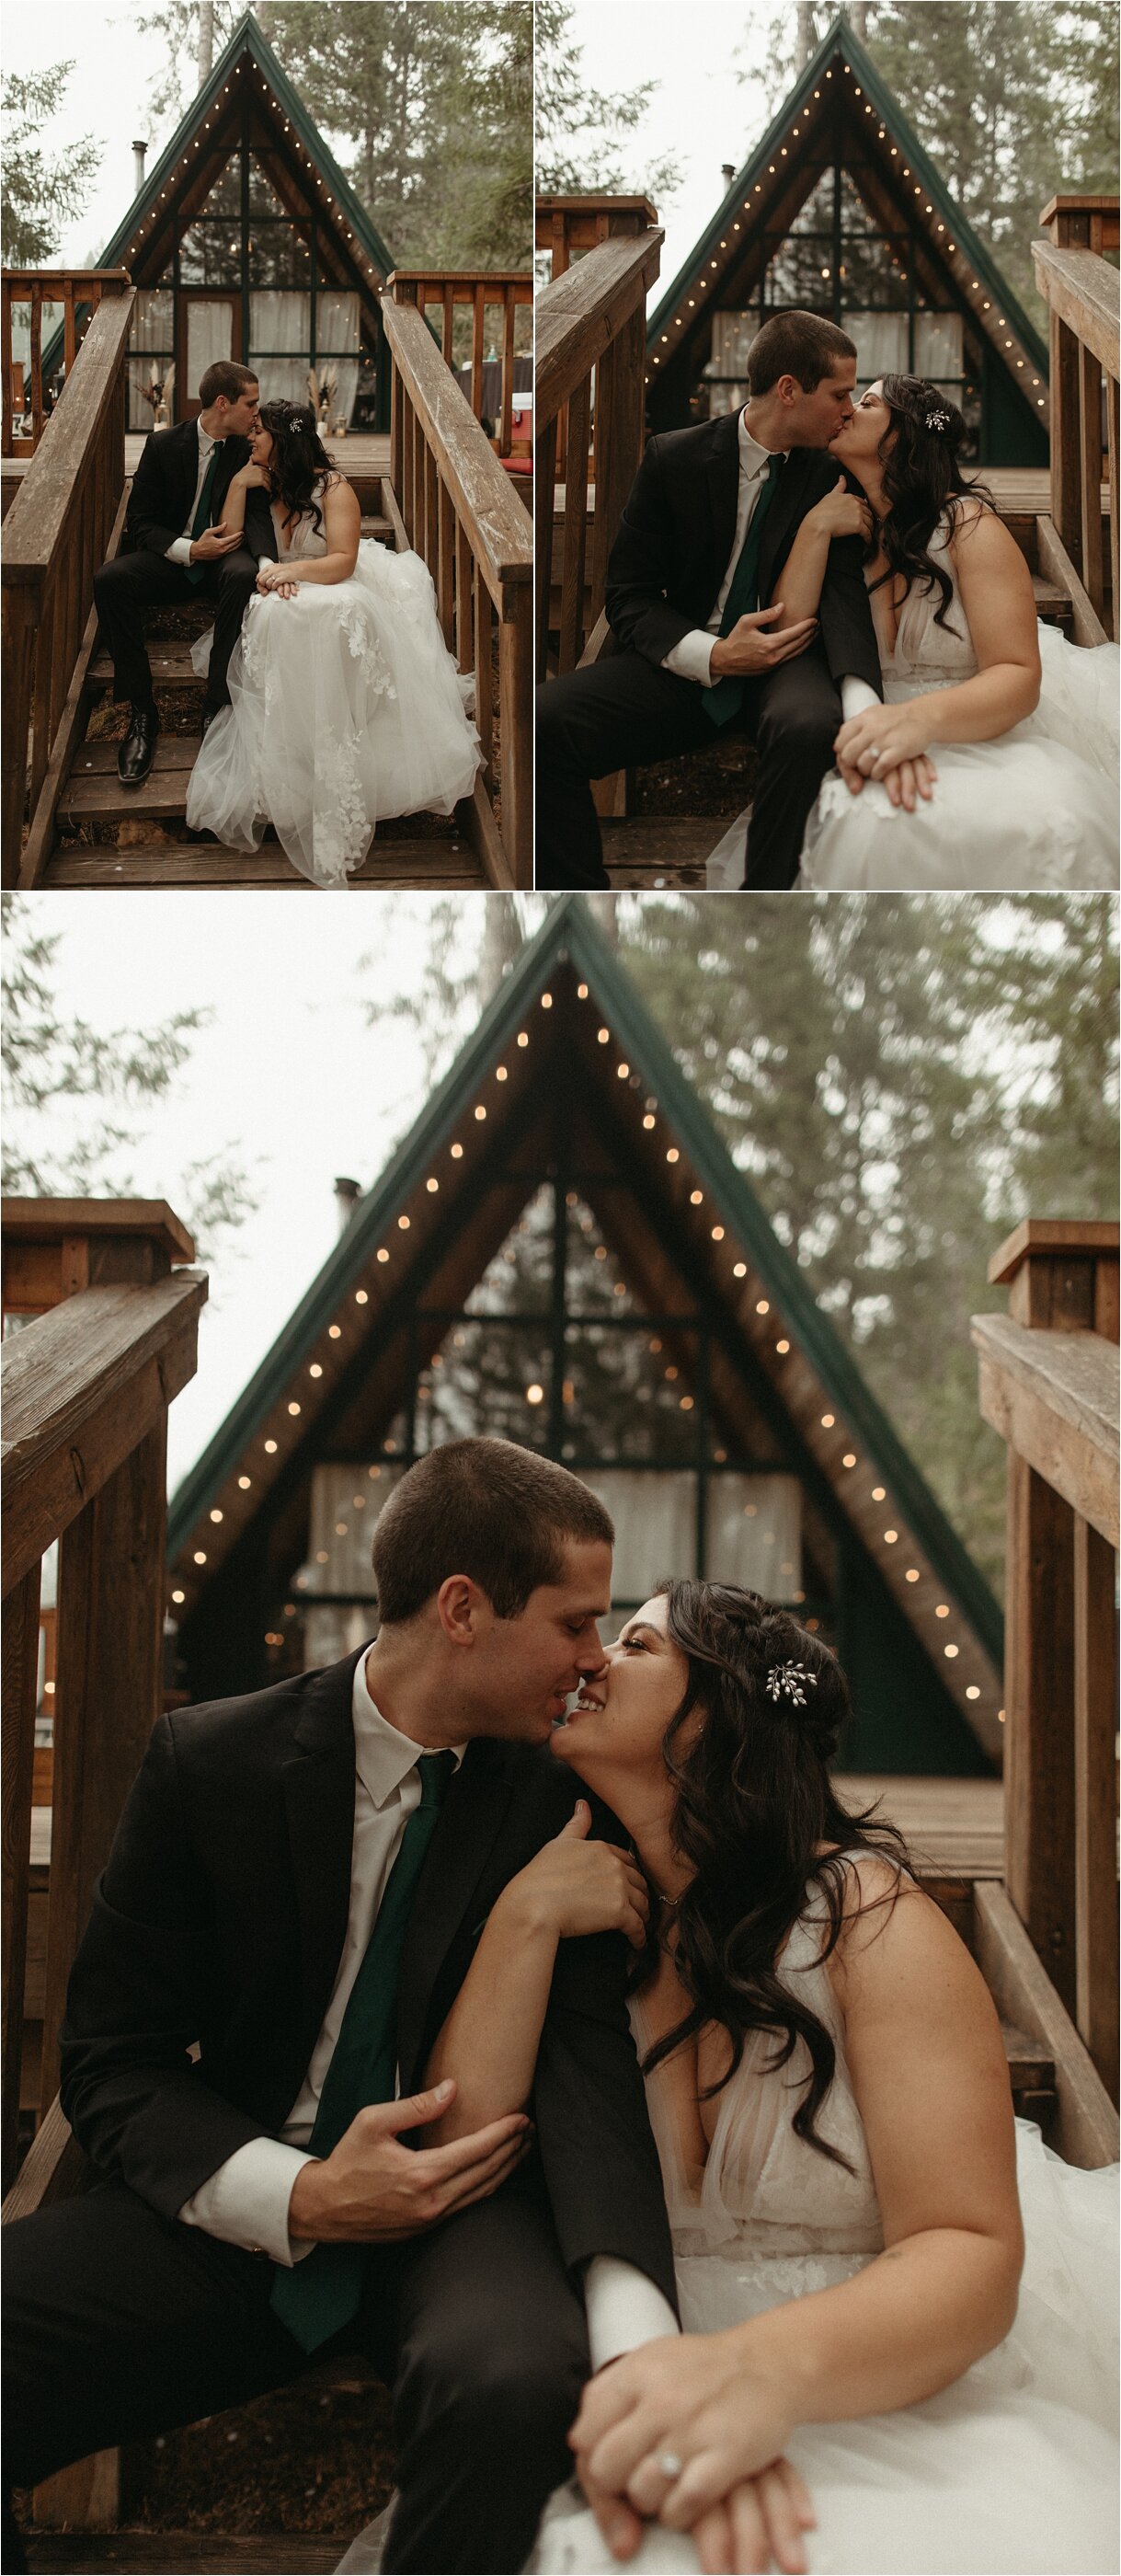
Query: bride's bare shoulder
(976, 530)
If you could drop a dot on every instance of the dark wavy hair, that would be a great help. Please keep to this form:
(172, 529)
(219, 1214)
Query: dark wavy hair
(757, 1818)
(922, 475)
(298, 458)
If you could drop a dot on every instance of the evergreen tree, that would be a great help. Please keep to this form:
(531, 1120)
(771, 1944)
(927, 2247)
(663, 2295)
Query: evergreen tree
(51, 1063)
(41, 190)
(583, 133)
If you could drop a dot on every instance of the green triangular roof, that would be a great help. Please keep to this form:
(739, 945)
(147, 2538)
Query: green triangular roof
(247, 40)
(841, 44)
(570, 933)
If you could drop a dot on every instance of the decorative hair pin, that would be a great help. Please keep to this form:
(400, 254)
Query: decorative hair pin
(784, 1681)
(938, 420)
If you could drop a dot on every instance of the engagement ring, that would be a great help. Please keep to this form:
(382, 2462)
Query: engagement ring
(669, 2464)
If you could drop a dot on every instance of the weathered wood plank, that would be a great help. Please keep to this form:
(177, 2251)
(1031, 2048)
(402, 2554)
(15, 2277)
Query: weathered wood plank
(1053, 1397)
(1039, 1759)
(82, 1386)
(1085, 293)
(1086, 625)
(578, 314)
(20, 1682)
(1095, 1828)
(37, 521)
(53, 2168)
(1086, 2130)
(40, 838)
(501, 539)
(430, 866)
(185, 2553)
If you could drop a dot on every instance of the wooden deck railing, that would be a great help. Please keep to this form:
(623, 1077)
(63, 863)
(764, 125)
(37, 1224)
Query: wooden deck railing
(588, 424)
(87, 1384)
(61, 525)
(1082, 291)
(501, 293)
(1049, 1385)
(79, 292)
(458, 510)
(566, 227)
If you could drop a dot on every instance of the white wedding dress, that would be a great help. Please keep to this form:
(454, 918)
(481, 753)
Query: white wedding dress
(1035, 808)
(345, 710)
(1011, 2470)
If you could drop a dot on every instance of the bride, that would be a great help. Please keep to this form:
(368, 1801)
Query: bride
(829, 2095)
(345, 706)
(997, 738)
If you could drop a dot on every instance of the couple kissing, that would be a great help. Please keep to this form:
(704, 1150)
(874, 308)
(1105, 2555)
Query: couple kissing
(531, 2016)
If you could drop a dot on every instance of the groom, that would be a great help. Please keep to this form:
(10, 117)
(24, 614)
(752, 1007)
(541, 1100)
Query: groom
(288, 1911)
(710, 520)
(176, 549)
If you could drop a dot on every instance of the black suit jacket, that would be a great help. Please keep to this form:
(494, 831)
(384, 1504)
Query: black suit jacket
(677, 532)
(163, 489)
(219, 1922)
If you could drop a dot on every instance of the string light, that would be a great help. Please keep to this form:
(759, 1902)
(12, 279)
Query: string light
(270, 1448)
(782, 1348)
(245, 1482)
(179, 1596)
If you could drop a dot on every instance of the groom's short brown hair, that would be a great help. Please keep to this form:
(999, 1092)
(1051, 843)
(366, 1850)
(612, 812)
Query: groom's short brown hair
(796, 344)
(485, 1508)
(225, 377)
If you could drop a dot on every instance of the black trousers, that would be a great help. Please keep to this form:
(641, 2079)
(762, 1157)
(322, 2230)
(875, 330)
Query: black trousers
(625, 710)
(123, 590)
(120, 2324)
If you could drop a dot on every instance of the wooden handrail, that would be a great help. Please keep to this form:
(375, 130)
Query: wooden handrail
(566, 227)
(1081, 289)
(509, 290)
(79, 291)
(458, 510)
(57, 532)
(87, 1384)
(1049, 1384)
(588, 424)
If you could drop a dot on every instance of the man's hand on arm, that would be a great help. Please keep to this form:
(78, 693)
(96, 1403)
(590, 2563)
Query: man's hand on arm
(757, 644)
(372, 2190)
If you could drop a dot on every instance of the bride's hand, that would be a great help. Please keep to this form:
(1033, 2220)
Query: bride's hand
(573, 1886)
(759, 2524)
(250, 477)
(696, 2400)
(879, 738)
(841, 513)
(273, 580)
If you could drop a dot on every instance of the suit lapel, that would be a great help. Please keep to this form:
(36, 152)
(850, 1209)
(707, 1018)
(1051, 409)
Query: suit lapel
(474, 1811)
(318, 1779)
(722, 474)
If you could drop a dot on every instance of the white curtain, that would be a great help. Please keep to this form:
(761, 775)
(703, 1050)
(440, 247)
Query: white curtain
(338, 326)
(210, 331)
(881, 345)
(753, 1529)
(939, 351)
(153, 329)
(280, 318)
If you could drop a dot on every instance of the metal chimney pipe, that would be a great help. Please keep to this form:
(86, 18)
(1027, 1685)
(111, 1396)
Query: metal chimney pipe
(727, 173)
(138, 152)
(347, 1195)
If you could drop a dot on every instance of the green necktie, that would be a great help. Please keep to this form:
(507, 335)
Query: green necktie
(201, 520)
(723, 700)
(321, 2293)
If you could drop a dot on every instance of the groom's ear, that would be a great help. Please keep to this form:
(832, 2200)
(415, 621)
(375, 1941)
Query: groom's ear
(459, 1605)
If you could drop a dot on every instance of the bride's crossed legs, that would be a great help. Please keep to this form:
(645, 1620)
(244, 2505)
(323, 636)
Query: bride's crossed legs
(691, 2430)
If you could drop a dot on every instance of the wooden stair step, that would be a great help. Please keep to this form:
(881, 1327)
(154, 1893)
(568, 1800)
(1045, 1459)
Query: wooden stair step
(425, 866)
(186, 2553)
(380, 528)
(170, 658)
(1051, 603)
(93, 791)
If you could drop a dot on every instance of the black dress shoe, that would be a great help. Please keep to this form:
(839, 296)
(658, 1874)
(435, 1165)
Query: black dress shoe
(138, 749)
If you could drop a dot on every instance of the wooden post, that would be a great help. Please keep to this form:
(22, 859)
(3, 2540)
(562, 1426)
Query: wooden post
(515, 699)
(1090, 475)
(1095, 1831)
(1065, 462)
(110, 1627)
(1039, 1765)
(20, 1691)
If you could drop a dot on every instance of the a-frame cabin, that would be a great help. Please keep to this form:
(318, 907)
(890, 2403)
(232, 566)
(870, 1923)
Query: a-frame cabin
(839, 210)
(562, 1251)
(245, 241)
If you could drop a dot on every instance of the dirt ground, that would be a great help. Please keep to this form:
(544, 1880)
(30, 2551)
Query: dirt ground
(700, 782)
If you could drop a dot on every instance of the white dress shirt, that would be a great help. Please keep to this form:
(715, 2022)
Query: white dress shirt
(692, 658)
(246, 2201)
(179, 551)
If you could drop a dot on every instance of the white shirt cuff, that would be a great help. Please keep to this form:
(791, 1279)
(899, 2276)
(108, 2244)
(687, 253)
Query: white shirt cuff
(179, 551)
(692, 660)
(624, 2309)
(855, 696)
(246, 2201)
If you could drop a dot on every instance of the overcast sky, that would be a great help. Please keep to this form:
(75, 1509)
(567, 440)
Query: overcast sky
(700, 111)
(288, 1077)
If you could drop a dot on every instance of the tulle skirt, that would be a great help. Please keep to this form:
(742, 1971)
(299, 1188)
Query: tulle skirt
(1011, 2471)
(1036, 808)
(345, 710)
